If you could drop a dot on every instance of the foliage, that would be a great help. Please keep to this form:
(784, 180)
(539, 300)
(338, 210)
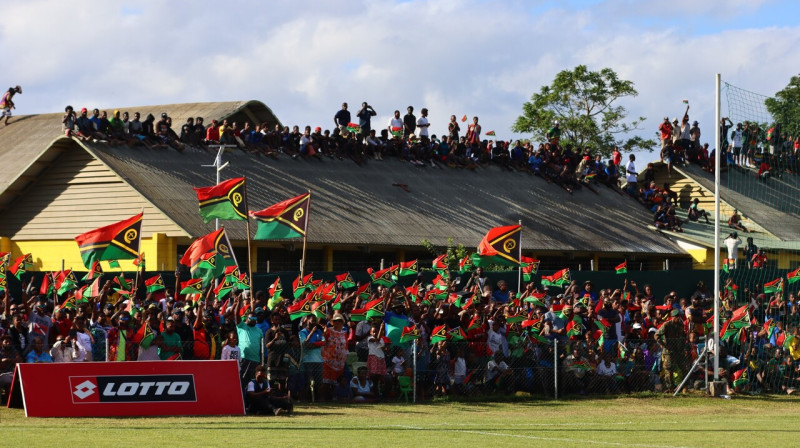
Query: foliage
(454, 252)
(785, 107)
(583, 102)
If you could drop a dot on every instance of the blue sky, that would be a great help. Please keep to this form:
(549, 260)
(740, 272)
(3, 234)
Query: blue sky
(475, 57)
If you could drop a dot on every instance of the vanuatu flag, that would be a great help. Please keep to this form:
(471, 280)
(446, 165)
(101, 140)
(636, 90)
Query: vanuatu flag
(740, 378)
(118, 241)
(374, 308)
(364, 291)
(354, 128)
(490, 133)
(207, 268)
(215, 242)
(299, 309)
(154, 284)
(299, 285)
(439, 334)
(465, 264)
(529, 268)
(793, 276)
(223, 201)
(224, 288)
(345, 281)
(408, 268)
(774, 286)
(409, 334)
(286, 219)
(560, 278)
(536, 298)
(501, 244)
(144, 337)
(382, 277)
(193, 286)
(622, 268)
(21, 265)
(94, 271)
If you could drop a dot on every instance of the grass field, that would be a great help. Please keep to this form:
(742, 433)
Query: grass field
(636, 422)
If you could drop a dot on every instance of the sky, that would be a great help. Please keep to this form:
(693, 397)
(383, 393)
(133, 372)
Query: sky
(481, 58)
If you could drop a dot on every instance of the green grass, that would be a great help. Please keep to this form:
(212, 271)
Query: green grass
(645, 421)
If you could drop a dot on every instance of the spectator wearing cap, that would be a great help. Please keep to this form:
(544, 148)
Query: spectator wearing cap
(170, 346)
(554, 133)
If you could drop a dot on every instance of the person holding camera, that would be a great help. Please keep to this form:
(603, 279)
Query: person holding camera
(66, 349)
(364, 119)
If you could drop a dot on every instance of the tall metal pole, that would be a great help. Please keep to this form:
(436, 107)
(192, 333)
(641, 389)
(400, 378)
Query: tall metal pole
(519, 268)
(305, 237)
(716, 230)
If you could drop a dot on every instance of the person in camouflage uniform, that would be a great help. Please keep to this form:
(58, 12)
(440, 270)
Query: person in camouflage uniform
(672, 338)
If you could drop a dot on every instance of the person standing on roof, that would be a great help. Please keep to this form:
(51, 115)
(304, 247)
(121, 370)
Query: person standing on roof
(365, 118)
(342, 117)
(7, 103)
(554, 134)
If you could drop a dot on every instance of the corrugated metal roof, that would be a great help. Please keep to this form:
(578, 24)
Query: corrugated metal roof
(773, 205)
(356, 205)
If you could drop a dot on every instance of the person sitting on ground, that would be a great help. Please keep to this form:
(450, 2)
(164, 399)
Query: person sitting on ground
(735, 222)
(695, 213)
(258, 395)
(362, 387)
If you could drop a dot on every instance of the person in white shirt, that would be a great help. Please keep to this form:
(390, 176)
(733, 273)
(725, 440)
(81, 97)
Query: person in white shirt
(231, 348)
(396, 124)
(362, 386)
(631, 175)
(607, 372)
(732, 242)
(83, 339)
(423, 124)
(66, 350)
(496, 338)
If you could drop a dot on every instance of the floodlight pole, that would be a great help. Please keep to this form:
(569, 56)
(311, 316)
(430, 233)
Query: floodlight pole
(716, 229)
(219, 166)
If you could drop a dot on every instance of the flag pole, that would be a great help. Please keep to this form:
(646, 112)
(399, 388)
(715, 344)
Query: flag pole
(519, 268)
(249, 247)
(305, 237)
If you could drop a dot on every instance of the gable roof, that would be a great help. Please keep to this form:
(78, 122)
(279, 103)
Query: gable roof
(359, 205)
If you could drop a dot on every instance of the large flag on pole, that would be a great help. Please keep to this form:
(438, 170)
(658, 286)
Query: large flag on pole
(216, 241)
(500, 246)
(286, 219)
(223, 201)
(118, 241)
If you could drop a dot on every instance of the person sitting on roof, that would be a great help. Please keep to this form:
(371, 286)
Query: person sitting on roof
(69, 126)
(735, 222)
(212, 133)
(116, 129)
(763, 169)
(695, 213)
(187, 131)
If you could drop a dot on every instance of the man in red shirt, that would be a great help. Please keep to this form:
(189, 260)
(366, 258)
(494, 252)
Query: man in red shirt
(666, 132)
(759, 259)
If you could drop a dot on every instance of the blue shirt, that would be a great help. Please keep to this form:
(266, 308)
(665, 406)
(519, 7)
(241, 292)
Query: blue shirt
(44, 357)
(311, 353)
(500, 296)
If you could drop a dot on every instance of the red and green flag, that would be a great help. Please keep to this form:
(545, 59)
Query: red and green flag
(345, 281)
(397, 131)
(375, 308)
(501, 245)
(515, 318)
(382, 277)
(286, 219)
(94, 271)
(793, 276)
(215, 242)
(491, 133)
(139, 261)
(144, 336)
(457, 334)
(475, 323)
(299, 285)
(529, 268)
(320, 309)
(299, 309)
(118, 241)
(232, 272)
(275, 294)
(364, 291)
(464, 118)
(225, 200)
(560, 278)
(155, 283)
(3, 283)
(408, 268)
(439, 334)
(354, 128)
(774, 286)
(208, 268)
(740, 378)
(769, 328)
(536, 298)
(441, 266)
(192, 286)
(622, 268)
(465, 264)
(409, 334)
(224, 288)
(575, 328)
(357, 315)
(21, 265)
(243, 282)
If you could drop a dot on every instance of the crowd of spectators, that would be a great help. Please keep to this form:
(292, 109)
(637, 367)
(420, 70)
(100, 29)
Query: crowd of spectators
(478, 338)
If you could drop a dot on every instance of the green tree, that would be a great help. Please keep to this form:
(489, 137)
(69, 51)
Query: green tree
(582, 101)
(785, 107)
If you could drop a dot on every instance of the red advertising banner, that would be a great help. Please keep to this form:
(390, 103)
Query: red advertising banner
(147, 388)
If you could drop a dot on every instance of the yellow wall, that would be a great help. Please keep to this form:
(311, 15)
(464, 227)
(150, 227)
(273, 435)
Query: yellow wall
(160, 252)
